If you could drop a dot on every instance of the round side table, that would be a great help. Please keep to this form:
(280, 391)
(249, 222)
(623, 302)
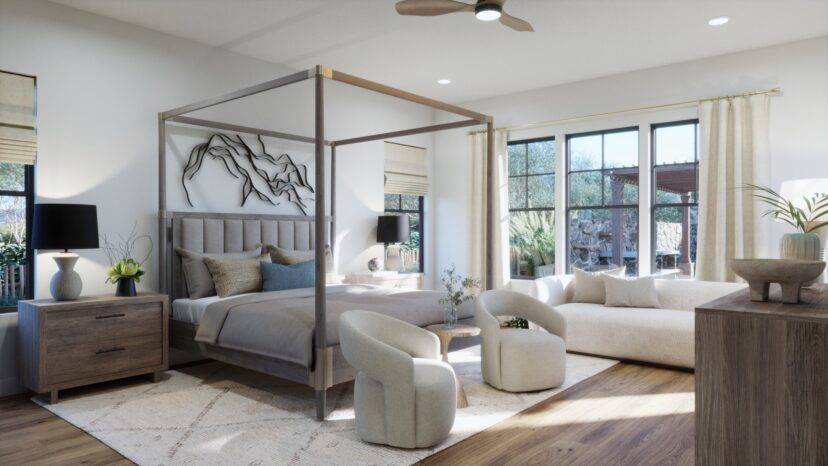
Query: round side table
(445, 335)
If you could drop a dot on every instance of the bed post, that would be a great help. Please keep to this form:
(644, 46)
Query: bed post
(320, 329)
(333, 197)
(163, 273)
(490, 210)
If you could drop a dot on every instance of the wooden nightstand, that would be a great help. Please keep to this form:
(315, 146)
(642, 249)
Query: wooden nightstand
(94, 339)
(406, 281)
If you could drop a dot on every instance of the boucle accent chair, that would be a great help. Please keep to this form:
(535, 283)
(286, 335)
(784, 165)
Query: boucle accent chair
(520, 360)
(404, 395)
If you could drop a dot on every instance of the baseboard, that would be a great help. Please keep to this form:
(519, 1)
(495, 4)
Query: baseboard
(10, 386)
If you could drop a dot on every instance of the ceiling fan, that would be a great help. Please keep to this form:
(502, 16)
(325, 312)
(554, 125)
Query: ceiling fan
(484, 10)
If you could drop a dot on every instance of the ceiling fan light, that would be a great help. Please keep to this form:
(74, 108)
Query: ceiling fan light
(487, 11)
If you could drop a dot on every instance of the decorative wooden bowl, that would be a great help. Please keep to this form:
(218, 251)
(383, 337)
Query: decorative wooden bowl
(791, 274)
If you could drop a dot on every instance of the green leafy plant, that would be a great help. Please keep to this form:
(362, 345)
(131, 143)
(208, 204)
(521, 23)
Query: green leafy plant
(12, 249)
(458, 289)
(517, 322)
(121, 254)
(127, 268)
(805, 220)
(534, 235)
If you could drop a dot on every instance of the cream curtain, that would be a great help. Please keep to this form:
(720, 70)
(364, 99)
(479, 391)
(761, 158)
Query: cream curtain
(733, 152)
(18, 139)
(476, 211)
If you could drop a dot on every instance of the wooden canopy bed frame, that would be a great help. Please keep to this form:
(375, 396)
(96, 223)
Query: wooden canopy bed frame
(328, 367)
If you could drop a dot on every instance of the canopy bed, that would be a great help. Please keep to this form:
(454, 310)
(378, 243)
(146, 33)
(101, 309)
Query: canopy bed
(317, 362)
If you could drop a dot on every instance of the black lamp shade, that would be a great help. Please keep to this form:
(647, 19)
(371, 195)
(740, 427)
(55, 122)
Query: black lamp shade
(393, 229)
(65, 226)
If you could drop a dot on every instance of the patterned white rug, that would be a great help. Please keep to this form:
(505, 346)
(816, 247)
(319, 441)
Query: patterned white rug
(219, 414)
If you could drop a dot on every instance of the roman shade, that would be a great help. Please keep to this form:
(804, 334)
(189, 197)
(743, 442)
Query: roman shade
(406, 171)
(18, 138)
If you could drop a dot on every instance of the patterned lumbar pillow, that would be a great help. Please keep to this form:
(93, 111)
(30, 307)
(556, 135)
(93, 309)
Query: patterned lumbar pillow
(277, 277)
(292, 256)
(630, 292)
(239, 276)
(199, 282)
(589, 286)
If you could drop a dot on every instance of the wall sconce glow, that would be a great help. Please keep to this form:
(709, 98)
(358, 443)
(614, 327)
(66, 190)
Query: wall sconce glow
(487, 11)
(444, 81)
(719, 21)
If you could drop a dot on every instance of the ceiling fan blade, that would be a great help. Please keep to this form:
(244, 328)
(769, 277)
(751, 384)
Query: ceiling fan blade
(431, 7)
(515, 23)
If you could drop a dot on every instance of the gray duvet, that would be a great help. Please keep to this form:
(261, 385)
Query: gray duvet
(280, 323)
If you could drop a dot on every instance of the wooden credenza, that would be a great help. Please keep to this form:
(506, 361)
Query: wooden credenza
(762, 380)
(94, 339)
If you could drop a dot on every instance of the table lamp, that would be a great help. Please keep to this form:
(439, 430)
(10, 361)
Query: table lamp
(65, 226)
(393, 229)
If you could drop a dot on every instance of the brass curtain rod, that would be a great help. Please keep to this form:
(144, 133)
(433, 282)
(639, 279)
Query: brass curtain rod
(686, 103)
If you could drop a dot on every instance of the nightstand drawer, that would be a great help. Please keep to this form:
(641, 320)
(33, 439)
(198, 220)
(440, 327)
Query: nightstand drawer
(65, 363)
(68, 328)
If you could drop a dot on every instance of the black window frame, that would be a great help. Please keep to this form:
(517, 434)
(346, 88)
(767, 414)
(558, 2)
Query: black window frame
(421, 227)
(653, 188)
(602, 170)
(526, 177)
(28, 193)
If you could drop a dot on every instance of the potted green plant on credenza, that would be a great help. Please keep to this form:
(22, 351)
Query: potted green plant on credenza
(804, 244)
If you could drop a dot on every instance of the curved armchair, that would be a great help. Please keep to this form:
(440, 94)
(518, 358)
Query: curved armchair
(404, 395)
(520, 360)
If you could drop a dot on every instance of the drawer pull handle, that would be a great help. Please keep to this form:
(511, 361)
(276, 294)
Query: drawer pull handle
(110, 350)
(109, 316)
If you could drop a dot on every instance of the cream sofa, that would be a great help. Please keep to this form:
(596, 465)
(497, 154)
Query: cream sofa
(664, 335)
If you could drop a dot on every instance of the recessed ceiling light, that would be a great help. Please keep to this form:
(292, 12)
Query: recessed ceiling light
(487, 11)
(444, 81)
(718, 21)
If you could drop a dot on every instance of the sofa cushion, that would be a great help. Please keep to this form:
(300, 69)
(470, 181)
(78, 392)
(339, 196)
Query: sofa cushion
(589, 286)
(687, 295)
(660, 336)
(630, 292)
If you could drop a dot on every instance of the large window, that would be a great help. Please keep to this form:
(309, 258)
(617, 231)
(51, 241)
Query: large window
(411, 205)
(16, 198)
(675, 200)
(532, 207)
(602, 207)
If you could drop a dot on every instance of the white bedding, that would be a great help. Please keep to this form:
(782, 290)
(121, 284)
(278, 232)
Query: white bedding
(192, 310)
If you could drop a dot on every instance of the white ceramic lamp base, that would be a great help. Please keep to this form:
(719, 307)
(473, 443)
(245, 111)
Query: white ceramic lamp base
(66, 284)
(393, 262)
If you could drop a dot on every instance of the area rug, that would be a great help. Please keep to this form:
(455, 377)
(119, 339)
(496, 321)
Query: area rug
(223, 415)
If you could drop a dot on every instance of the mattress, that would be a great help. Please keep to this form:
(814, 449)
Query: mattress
(192, 310)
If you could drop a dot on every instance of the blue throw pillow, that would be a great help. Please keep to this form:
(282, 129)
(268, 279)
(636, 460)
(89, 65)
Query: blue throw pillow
(277, 277)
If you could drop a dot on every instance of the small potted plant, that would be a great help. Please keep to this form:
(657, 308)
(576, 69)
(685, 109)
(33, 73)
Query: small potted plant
(805, 243)
(458, 291)
(125, 271)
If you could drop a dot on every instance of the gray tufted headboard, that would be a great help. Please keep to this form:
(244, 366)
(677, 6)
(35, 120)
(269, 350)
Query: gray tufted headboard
(217, 233)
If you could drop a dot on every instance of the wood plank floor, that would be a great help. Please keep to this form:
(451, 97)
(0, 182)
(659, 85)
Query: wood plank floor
(627, 415)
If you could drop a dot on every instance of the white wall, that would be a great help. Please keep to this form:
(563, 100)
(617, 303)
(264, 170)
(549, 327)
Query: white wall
(101, 84)
(798, 120)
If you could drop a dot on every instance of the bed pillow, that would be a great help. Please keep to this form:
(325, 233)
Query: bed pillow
(278, 277)
(589, 286)
(293, 256)
(196, 276)
(237, 276)
(630, 292)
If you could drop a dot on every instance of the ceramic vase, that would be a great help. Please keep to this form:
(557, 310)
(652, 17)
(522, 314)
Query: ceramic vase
(125, 287)
(802, 246)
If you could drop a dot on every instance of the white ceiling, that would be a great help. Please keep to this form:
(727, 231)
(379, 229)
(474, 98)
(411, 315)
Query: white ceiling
(573, 39)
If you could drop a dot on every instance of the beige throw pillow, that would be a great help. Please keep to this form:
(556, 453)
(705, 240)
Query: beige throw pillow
(294, 256)
(630, 292)
(589, 286)
(197, 277)
(234, 277)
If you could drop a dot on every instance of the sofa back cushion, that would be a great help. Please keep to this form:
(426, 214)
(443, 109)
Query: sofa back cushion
(589, 286)
(686, 295)
(630, 292)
